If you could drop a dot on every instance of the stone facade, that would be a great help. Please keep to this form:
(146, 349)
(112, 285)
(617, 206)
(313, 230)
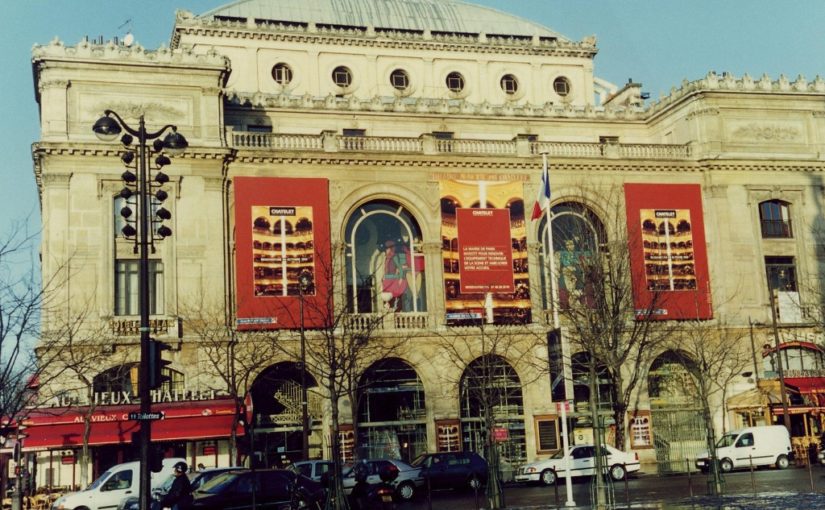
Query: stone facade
(742, 140)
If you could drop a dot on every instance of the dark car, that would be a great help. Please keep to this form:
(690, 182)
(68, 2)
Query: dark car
(277, 489)
(204, 475)
(452, 470)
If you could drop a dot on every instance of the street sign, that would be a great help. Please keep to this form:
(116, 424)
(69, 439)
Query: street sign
(146, 416)
(565, 406)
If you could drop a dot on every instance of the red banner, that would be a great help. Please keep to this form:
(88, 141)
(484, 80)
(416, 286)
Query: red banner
(668, 252)
(485, 250)
(282, 252)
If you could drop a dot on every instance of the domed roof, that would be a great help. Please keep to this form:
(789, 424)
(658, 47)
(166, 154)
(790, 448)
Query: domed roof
(433, 15)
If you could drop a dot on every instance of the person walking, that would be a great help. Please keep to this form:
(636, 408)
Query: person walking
(179, 496)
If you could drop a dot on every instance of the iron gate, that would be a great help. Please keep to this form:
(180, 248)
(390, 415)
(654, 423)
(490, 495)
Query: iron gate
(679, 435)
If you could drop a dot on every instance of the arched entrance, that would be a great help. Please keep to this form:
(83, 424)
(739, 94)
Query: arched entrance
(490, 381)
(605, 397)
(679, 432)
(392, 416)
(276, 434)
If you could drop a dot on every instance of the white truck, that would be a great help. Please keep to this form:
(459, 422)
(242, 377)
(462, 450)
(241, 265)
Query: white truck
(112, 486)
(767, 445)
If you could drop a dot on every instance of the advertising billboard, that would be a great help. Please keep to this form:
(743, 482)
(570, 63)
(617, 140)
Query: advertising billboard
(668, 252)
(282, 252)
(484, 251)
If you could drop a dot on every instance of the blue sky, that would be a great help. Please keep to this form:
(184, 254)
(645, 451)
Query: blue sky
(655, 42)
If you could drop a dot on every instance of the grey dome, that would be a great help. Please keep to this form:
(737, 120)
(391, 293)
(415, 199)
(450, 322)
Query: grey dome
(435, 15)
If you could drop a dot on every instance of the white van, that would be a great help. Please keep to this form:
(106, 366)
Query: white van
(767, 445)
(111, 487)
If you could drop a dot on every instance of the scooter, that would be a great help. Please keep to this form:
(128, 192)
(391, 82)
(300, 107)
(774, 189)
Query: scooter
(378, 496)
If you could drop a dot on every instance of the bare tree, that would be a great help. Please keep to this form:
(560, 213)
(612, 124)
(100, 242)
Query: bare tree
(232, 358)
(479, 360)
(599, 307)
(713, 354)
(24, 299)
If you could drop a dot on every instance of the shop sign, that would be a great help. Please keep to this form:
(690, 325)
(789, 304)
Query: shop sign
(114, 398)
(67, 460)
(501, 434)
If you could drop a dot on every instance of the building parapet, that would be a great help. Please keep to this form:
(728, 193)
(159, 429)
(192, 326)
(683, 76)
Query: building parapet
(331, 142)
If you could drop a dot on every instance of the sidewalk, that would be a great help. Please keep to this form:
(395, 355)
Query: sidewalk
(761, 501)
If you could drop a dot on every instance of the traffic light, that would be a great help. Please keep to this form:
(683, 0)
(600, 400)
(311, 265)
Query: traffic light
(155, 459)
(157, 363)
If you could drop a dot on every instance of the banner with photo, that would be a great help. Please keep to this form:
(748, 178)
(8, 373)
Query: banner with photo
(282, 251)
(484, 250)
(668, 252)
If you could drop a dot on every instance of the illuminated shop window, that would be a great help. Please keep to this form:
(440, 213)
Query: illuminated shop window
(385, 265)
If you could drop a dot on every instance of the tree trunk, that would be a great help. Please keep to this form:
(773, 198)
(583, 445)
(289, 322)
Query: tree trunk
(495, 496)
(715, 483)
(600, 494)
(336, 500)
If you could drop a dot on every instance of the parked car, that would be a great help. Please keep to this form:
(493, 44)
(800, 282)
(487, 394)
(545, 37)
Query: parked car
(582, 463)
(453, 470)
(406, 485)
(314, 469)
(273, 488)
(204, 475)
(764, 445)
(113, 486)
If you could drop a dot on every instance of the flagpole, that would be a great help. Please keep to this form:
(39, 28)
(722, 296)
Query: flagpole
(554, 290)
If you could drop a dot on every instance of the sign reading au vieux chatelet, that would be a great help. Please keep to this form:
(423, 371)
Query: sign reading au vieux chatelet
(114, 398)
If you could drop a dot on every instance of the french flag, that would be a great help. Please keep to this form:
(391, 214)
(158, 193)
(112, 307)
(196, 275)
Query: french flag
(543, 199)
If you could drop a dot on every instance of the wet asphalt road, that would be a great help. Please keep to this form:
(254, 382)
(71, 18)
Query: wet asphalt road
(764, 489)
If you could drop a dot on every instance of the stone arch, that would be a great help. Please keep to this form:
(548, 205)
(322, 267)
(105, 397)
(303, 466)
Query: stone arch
(392, 415)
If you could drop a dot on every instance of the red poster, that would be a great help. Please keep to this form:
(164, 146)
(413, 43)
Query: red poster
(485, 250)
(282, 239)
(668, 251)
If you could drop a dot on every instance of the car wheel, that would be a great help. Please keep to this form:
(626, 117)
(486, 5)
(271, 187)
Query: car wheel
(474, 483)
(726, 465)
(548, 477)
(617, 472)
(782, 462)
(405, 491)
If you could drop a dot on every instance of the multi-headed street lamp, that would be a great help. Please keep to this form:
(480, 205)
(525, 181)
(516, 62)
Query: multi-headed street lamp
(139, 187)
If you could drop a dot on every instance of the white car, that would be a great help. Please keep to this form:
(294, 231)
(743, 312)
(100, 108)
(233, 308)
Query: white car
(582, 463)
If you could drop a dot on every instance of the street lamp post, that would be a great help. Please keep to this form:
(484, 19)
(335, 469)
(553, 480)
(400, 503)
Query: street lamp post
(304, 284)
(786, 418)
(107, 128)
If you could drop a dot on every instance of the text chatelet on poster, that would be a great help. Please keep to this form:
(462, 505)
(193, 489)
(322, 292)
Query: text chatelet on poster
(282, 251)
(484, 252)
(667, 248)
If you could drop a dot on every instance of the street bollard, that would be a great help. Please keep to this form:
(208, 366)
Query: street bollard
(429, 495)
(475, 491)
(556, 490)
(690, 481)
(753, 480)
(810, 474)
(626, 486)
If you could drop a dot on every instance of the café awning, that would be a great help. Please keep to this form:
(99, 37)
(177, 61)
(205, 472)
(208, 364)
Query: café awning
(182, 421)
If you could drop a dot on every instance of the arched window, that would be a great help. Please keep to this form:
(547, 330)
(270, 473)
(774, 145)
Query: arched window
(392, 416)
(385, 265)
(490, 385)
(578, 236)
(775, 219)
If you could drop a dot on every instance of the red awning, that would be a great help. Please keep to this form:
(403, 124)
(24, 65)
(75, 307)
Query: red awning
(813, 388)
(192, 420)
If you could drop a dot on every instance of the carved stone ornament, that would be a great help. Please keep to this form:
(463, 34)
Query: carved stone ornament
(755, 131)
(134, 110)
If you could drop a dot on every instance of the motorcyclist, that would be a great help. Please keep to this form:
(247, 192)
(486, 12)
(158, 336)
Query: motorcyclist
(179, 496)
(360, 492)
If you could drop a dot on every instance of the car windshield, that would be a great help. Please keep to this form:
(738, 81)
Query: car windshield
(218, 483)
(419, 461)
(100, 479)
(167, 484)
(726, 440)
(558, 455)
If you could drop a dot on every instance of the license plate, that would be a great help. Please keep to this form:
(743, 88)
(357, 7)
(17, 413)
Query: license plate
(386, 498)
(700, 462)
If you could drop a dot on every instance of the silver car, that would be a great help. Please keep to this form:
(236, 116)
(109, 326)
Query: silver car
(406, 485)
(313, 469)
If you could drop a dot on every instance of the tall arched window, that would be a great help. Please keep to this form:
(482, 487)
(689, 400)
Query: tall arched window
(775, 219)
(578, 235)
(489, 383)
(385, 265)
(392, 415)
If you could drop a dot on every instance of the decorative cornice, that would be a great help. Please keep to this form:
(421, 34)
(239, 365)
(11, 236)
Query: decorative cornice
(132, 110)
(765, 132)
(86, 50)
(114, 150)
(370, 37)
